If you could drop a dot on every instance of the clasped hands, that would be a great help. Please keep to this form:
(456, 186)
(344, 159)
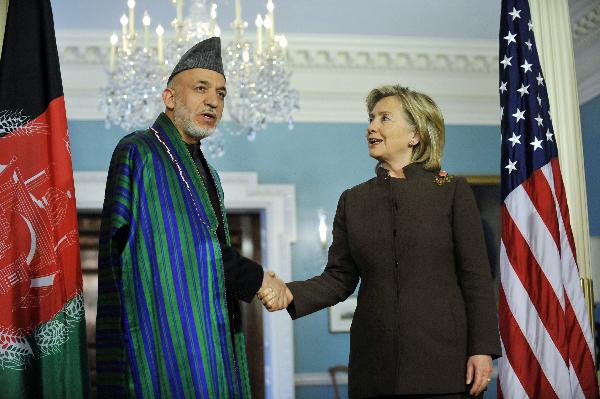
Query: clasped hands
(273, 293)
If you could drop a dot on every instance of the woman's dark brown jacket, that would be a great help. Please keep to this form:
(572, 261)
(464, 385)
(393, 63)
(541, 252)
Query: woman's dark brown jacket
(426, 301)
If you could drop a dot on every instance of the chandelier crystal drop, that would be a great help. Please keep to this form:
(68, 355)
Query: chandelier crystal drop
(258, 85)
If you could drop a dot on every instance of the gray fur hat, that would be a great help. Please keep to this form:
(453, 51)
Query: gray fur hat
(205, 54)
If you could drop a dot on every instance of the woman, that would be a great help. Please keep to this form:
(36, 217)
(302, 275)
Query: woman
(426, 321)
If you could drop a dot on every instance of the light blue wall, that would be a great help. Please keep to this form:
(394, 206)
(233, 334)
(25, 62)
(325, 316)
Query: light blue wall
(322, 160)
(590, 127)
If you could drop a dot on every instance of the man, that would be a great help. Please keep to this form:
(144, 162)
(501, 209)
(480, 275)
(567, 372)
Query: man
(168, 321)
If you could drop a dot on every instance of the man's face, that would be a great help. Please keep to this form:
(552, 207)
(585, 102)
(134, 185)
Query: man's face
(196, 102)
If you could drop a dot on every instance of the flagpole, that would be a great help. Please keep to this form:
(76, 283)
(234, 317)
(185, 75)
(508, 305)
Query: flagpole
(553, 36)
(3, 13)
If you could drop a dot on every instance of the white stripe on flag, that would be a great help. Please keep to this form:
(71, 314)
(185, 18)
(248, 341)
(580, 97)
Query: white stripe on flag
(570, 272)
(538, 238)
(528, 320)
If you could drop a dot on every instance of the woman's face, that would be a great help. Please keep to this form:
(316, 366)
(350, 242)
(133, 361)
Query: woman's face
(389, 134)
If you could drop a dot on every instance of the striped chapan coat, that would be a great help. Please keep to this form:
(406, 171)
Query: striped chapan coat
(163, 327)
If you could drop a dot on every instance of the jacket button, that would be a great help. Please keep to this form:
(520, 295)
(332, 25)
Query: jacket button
(396, 263)
(394, 232)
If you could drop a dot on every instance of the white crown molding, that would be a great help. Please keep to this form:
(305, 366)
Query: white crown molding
(585, 29)
(587, 65)
(333, 74)
(585, 22)
(589, 88)
(277, 204)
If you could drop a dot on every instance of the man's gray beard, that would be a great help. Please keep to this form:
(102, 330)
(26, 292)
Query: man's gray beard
(181, 114)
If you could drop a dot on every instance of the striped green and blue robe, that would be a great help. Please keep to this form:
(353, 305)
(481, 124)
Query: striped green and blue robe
(163, 328)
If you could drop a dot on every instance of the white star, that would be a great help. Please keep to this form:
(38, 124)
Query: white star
(501, 113)
(526, 67)
(523, 90)
(511, 166)
(539, 120)
(506, 61)
(502, 87)
(515, 14)
(536, 143)
(529, 44)
(515, 139)
(549, 135)
(530, 25)
(539, 100)
(510, 38)
(519, 115)
(549, 115)
(540, 79)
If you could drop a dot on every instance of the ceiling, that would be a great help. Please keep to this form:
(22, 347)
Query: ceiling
(431, 18)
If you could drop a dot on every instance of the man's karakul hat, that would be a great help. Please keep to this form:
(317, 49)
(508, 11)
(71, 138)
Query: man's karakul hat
(205, 54)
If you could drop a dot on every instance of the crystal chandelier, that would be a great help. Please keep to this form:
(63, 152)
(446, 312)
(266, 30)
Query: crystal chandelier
(259, 89)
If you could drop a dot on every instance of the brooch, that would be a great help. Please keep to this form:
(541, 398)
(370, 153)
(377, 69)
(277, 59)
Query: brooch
(442, 178)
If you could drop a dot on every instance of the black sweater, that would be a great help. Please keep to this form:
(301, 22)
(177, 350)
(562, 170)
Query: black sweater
(243, 277)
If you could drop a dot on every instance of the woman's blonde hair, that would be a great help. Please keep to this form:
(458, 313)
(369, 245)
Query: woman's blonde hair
(422, 115)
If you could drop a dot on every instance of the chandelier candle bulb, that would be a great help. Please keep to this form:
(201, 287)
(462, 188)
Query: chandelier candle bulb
(238, 11)
(131, 5)
(267, 24)
(179, 6)
(159, 32)
(270, 8)
(283, 41)
(124, 22)
(113, 50)
(213, 18)
(259, 25)
(146, 22)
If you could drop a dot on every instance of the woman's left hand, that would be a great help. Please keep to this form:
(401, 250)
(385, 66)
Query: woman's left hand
(479, 371)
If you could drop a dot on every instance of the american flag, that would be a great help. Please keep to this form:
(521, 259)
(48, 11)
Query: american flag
(546, 336)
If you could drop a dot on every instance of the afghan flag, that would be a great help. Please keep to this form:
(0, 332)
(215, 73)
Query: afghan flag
(43, 351)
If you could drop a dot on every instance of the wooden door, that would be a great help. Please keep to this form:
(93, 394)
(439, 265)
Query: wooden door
(244, 230)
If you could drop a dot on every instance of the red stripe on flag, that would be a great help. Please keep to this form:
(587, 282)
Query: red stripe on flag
(536, 283)
(561, 197)
(580, 355)
(540, 193)
(519, 354)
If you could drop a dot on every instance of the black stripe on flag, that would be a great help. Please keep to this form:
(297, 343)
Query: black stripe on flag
(29, 68)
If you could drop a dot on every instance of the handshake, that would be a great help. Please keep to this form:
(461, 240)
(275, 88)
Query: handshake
(273, 293)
